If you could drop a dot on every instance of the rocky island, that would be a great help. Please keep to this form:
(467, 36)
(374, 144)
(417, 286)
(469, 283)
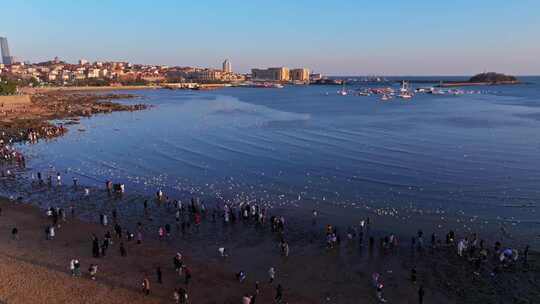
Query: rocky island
(489, 78)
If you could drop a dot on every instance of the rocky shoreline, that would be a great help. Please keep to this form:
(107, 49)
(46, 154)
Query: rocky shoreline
(30, 119)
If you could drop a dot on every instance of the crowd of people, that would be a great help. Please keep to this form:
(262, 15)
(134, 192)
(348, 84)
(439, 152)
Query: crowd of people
(9, 155)
(190, 216)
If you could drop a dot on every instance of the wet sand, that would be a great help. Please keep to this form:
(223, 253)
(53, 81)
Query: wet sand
(312, 273)
(35, 270)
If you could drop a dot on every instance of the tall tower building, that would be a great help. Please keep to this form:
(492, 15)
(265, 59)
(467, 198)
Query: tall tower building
(4, 48)
(227, 67)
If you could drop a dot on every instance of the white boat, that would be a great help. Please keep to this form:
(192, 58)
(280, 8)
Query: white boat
(404, 87)
(343, 92)
(385, 97)
(405, 95)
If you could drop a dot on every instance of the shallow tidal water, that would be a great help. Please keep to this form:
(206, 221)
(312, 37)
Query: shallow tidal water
(472, 158)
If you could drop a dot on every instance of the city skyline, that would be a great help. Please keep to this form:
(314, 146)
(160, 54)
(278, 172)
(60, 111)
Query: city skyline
(413, 38)
(5, 55)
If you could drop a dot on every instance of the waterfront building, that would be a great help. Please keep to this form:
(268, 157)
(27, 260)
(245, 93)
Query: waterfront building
(271, 74)
(227, 66)
(83, 61)
(315, 77)
(93, 73)
(300, 75)
(208, 75)
(4, 49)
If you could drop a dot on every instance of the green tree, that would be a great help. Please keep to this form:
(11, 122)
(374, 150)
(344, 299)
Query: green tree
(8, 87)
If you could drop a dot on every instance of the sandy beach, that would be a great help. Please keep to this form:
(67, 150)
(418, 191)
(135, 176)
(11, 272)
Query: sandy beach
(311, 274)
(36, 270)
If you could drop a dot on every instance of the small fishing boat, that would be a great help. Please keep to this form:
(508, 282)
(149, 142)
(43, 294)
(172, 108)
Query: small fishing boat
(404, 87)
(405, 95)
(385, 97)
(342, 92)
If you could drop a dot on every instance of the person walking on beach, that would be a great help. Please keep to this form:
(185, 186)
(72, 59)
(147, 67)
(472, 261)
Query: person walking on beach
(118, 231)
(15, 233)
(285, 249)
(52, 233)
(187, 275)
(271, 274)
(279, 294)
(159, 275)
(380, 296)
(146, 286)
(197, 220)
(167, 230)
(93, 271)
(161, 233)
(241, 276)
(123, 252)
(421, 294)
(77, 268)
(413, 275)
(72, 267)
(139, 237)
(178, 264)
(95, 247)
(104, 247)
(182, 296)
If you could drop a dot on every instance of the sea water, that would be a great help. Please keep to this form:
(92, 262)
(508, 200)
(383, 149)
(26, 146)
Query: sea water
(474, 155)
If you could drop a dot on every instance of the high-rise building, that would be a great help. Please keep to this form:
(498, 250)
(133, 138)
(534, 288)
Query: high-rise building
(227, 67)
(300, 75)
(273, 74)
(4, 48)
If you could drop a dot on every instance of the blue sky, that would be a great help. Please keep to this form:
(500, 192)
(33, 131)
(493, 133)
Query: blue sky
(348, 37)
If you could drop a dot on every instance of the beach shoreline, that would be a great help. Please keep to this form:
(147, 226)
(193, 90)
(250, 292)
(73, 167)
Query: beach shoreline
(37, 270)
(29, 117)
(310, 260)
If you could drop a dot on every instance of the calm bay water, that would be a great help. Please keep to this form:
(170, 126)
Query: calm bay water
(473, 155)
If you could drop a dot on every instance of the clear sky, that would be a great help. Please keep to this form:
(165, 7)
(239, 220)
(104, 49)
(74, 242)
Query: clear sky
(347, 37)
